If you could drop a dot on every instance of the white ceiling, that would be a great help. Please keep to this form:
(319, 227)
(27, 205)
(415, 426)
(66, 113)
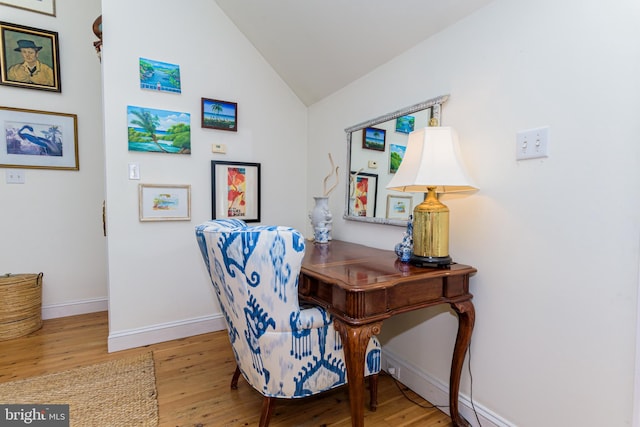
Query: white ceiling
(320, 46)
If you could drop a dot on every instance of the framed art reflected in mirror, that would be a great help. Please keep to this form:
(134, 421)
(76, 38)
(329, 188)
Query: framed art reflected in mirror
(381, 155)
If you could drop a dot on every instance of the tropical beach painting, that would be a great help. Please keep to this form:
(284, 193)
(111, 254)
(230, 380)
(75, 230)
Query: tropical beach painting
(222, 115)
(396, 154)
(405, 124)
(159, 76)
(373, 138)
(159, 131)
(164, 202)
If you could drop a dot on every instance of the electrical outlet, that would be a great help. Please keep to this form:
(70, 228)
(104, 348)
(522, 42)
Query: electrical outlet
(394, 372)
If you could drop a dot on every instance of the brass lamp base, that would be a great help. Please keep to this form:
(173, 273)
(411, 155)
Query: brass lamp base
(430, 261)
(431, 232)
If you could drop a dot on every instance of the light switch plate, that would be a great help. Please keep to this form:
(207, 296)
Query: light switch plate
(15, 176)
(134, 171)
(532, 144)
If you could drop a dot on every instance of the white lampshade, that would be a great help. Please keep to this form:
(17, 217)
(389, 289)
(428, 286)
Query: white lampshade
(432, 159)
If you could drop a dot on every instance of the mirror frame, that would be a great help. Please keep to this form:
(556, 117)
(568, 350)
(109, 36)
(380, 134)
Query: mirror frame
(435, 103)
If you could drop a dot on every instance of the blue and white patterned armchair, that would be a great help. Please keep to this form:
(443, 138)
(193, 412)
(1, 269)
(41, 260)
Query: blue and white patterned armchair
(282, 350)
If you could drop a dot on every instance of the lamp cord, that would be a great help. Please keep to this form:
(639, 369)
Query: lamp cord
(404, 389)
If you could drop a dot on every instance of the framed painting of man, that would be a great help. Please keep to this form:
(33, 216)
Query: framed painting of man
(29, 58)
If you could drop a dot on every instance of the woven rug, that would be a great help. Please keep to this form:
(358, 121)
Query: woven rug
(120, 392)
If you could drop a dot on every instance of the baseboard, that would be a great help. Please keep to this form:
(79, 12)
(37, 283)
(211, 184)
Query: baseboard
(437, 392)
(164, 332)
(53, 311)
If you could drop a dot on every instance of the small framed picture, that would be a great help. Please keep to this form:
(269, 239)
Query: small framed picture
(405, 124)
(399, 207)
(159, 76)
(29, 58)
(365, 194)
(396, 154)
(374, 138)
(164, 202)
(38, 139)
(235, 190)
(47, 7)
(222, 115)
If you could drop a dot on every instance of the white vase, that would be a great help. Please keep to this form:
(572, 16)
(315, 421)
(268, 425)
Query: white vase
(321, 219)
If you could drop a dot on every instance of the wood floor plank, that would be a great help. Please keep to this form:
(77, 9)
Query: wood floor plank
(193, 378)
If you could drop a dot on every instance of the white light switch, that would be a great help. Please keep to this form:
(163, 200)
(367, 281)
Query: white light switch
(532, 144)
(134, 171)
(15, 176)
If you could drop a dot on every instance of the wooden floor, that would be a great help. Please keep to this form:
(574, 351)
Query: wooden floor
(193, 376)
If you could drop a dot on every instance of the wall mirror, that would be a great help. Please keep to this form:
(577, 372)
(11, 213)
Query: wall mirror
(375, 149)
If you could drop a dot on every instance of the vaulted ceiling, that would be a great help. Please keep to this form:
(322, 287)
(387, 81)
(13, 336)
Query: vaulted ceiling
(320, 46)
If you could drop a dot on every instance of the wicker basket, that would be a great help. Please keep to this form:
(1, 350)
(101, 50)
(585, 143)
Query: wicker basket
(20, 305)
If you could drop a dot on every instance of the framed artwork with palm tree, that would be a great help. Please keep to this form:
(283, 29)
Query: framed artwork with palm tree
(374, 138)
(38, 139)
(221, 115)
(158, 131)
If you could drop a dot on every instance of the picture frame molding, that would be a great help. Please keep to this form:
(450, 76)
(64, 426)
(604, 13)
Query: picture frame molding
(207, 124)
(51, 48)
(219, 190)
(146, 193)
(64, 162)
(46, 7)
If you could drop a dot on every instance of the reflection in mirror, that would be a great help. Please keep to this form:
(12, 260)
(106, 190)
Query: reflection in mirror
(375, 150)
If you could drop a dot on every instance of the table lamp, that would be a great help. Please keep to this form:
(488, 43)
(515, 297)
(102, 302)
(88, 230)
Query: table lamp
(431, 164)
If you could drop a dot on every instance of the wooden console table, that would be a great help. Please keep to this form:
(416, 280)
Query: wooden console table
(362, 286)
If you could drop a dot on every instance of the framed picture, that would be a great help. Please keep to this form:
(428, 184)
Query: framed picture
(29, 58)
(399, 207)
(405, 124)
(158, 131)
(164, 202)
(373, 138)
(160, 76)
(222, 115)
(48, 7)
(396, 154)
(365, 194)
(38, 139)
(235, 190)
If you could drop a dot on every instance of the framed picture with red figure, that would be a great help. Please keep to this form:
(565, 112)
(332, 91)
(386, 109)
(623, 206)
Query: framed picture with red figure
(235, 190)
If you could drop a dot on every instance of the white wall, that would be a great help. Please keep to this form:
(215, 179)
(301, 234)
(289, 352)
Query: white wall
(555, 241)
(53, 222)
(157, 278)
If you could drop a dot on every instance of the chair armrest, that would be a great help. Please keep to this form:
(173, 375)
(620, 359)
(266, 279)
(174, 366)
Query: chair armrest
(312, 318)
